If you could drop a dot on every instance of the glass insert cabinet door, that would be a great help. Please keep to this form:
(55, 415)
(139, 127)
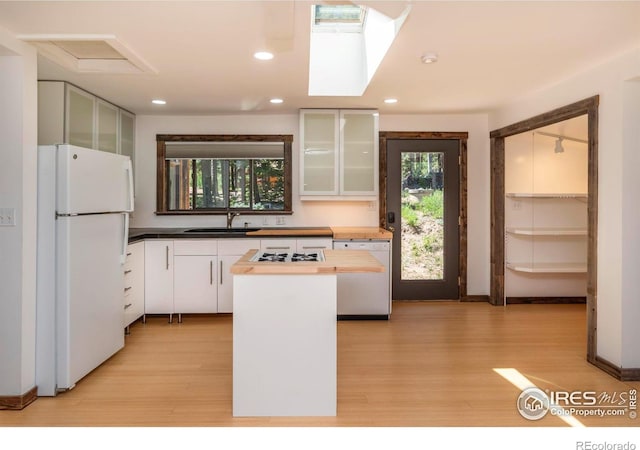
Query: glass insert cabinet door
(359, 155)
(319, 158)
(339, 154)
(107, 138)
(80, 118)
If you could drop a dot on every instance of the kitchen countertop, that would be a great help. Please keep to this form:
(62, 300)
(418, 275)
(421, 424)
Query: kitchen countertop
(336, 261)
(361, 233)
(138, 234)
(291, 232)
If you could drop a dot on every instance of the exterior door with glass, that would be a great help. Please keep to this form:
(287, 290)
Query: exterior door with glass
(423, 197)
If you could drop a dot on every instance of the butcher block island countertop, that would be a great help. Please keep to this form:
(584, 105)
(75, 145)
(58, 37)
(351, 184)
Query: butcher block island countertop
(361, 233)
(336, 261)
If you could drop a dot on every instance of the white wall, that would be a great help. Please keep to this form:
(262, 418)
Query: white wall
(316, 213)
(608, 81)
(631, 223)
(18, 182)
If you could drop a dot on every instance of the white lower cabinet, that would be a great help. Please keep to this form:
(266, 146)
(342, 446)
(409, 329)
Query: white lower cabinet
(134, 283)
(194, 276)
(195, 284)
(158, 277)
(195, 288)
(229, 251)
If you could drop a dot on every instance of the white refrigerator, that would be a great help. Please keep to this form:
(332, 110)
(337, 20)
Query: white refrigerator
(84, 200)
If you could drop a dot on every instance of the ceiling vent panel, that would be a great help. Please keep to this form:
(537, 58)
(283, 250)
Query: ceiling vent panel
(89, 53)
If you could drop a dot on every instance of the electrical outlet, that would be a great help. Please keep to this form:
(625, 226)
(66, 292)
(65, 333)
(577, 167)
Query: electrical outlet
(371, 206)
(517, 204)
(7, 217)
(265, 220)
(279, 220)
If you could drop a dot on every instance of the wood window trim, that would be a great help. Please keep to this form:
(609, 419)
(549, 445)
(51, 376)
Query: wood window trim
(589, 107)
(462, 137)
(161, 171)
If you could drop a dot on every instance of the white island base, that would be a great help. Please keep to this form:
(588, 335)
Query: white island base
(284, 345)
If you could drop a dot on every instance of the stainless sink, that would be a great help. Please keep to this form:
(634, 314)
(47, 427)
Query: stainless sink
(220, 230)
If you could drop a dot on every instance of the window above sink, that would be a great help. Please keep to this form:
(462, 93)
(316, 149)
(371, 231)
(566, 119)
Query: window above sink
(215, 174)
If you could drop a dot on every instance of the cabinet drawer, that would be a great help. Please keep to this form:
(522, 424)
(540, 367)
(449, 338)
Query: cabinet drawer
(308, 245)
(237, 246)
(278, 245)
(196, 247)
(129, 290)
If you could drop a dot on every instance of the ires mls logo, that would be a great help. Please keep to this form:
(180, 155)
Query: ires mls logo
(533, 403)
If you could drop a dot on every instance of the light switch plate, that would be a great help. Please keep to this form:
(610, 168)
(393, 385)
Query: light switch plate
(7, 217)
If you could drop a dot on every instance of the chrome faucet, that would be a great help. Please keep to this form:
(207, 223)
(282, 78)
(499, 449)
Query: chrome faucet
(230, 217)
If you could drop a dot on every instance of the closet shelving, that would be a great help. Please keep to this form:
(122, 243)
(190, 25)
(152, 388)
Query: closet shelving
(545, 206)
(557, 223)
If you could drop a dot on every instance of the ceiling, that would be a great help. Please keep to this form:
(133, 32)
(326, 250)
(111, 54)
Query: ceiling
(200, 53)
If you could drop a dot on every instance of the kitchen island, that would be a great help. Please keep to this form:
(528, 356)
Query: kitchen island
(284, 333)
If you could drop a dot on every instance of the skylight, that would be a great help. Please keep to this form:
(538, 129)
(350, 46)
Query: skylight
(348, 43)
(338, 17)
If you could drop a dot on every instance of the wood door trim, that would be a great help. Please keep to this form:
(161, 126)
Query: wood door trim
(589, 107)
(462, 137)
(17, 402)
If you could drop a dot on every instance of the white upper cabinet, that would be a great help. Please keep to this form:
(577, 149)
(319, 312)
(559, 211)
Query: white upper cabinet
(70, 115)
(127, 134)
(107, 130)
(320, 146)
(79, 119)
(359, 152)
(338, 154)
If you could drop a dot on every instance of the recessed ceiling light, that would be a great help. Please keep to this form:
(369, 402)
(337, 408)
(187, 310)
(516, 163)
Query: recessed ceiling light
(263, 56)
(276, 101)
(429, 58)
(157, 101)
(391, 100)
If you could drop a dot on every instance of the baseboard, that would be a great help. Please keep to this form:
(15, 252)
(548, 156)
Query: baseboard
(545, 300)
(622, 374)
(17, 402)
(475, 298)
(363, 317)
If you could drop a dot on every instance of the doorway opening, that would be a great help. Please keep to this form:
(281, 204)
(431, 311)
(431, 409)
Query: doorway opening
(423, 203)
(546, 214)
(588, 107)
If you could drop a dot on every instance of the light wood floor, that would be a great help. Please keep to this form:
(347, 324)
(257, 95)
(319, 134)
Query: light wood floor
(431, 365)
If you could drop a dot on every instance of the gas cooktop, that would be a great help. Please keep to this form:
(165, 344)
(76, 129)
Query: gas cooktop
(261, 256)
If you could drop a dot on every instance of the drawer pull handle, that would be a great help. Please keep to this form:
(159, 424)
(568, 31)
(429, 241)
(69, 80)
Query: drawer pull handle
(128, 305)
(126, 272)
(127, 288)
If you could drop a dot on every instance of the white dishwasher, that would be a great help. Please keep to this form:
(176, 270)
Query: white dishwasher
(365, 295)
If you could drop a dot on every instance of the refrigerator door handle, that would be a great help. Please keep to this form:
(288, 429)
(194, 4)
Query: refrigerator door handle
(129, 169)
(125, 238)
